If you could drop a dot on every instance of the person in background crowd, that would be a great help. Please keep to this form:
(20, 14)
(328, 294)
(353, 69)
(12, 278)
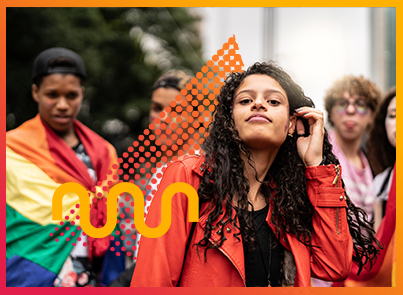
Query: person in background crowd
(51, 149)
(273, 208)
(350, 104)
(165, 90)
(381, 147)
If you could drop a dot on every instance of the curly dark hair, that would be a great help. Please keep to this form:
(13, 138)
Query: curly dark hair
(291, 209)
(381, 154)
(354, 86)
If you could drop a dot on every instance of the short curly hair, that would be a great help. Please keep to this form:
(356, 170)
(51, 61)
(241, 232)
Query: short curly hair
(354, 85)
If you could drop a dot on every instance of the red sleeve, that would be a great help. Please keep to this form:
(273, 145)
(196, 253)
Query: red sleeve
(160, 260)
(332, 258)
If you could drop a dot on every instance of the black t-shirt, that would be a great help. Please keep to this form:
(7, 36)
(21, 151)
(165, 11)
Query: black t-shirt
(262, 266)
(81, 153)
(86, 272)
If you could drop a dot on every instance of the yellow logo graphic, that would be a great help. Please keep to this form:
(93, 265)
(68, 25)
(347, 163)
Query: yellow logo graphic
(135, 191)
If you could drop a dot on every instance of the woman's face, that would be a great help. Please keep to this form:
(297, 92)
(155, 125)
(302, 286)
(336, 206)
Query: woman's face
(261, 112)
(390, 122)
(160, 99)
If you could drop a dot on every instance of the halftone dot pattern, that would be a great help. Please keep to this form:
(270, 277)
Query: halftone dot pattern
(182, 131)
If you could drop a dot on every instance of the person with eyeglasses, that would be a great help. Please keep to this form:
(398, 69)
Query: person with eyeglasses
(350, 104)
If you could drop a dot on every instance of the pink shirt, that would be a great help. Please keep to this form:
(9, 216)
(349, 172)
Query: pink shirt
(358, 181)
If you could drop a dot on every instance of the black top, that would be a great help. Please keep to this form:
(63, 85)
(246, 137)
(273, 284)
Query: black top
(81, 153)
(262, 266)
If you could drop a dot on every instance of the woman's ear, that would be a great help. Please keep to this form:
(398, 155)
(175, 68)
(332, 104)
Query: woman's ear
(34, 91)
(292, 124)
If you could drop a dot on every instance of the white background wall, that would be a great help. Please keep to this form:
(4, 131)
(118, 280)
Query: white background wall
(314, 45)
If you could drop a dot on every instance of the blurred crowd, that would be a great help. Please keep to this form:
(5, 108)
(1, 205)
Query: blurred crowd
(54, 148)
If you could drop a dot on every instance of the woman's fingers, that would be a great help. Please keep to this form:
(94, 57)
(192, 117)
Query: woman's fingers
(300, 128)
(310, 147)
(313, 116)
(307, 112)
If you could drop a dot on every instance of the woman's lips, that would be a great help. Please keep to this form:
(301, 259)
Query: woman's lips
(62, 119)
(258, 117)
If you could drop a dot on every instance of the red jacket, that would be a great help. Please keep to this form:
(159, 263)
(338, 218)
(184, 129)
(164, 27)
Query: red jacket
(160, 260)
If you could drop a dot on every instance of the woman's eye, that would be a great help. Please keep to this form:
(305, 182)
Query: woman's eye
(392, 116)
(245, 101)
(157, 109)
(273, 102)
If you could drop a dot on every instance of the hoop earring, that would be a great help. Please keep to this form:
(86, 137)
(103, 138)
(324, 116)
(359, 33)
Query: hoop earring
(290, 134)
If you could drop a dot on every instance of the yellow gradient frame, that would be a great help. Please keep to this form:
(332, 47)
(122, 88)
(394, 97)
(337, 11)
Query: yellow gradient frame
(206, 3)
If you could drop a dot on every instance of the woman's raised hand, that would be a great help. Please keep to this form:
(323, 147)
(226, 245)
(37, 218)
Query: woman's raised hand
(310, 147)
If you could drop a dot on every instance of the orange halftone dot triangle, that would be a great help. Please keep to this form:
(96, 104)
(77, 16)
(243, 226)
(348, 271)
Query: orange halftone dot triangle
(184, 129)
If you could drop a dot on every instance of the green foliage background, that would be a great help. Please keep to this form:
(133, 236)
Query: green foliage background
(124, 49)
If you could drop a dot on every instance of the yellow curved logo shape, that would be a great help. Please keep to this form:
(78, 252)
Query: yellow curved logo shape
(81, 192)
(135, 191)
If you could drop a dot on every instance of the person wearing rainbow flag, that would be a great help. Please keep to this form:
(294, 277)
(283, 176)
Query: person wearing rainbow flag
(44, 152)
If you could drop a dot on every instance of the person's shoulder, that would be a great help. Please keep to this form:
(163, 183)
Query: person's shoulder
(379, 186)
(88, 132)
(380, 178)
(29, 133)
(188, 162)
(92, 135)
(25, 127)
(190, 159)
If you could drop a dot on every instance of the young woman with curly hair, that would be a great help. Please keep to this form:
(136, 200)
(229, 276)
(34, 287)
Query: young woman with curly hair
(273, 208)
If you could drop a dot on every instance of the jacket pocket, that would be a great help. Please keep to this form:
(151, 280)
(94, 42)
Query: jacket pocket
(331, 197)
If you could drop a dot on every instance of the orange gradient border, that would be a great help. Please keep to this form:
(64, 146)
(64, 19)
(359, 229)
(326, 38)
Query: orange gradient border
(207, 3)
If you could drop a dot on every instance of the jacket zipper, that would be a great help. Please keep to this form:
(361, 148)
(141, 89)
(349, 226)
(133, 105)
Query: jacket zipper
(336, 182)
(229, 260)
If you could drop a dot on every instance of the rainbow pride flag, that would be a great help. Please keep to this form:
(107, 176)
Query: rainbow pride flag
(37, 162)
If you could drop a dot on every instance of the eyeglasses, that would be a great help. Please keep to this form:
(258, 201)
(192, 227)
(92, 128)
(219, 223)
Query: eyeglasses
(360, 105)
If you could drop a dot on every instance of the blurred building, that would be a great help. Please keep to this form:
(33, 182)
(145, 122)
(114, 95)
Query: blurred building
(315, 45)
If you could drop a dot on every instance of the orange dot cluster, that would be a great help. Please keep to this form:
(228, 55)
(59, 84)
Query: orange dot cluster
(184, 129)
